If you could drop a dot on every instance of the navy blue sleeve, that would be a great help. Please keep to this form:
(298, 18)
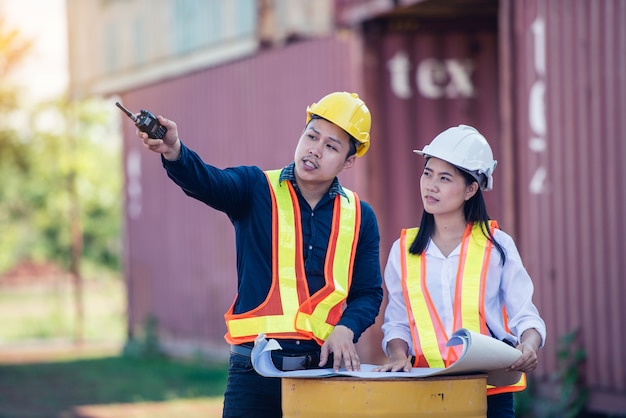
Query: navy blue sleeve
(366, 292)
(227, 190)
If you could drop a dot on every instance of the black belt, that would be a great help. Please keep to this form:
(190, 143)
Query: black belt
(286, 362)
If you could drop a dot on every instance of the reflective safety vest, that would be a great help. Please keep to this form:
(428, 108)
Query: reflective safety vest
(289, 310)
(427, 331)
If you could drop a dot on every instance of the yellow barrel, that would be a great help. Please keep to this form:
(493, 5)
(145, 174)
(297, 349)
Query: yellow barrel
(458, 396)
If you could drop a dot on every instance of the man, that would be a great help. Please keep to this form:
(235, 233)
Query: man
(307, 250)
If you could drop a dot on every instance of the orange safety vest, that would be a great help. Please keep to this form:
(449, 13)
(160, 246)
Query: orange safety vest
(427, 331)
(289, 311)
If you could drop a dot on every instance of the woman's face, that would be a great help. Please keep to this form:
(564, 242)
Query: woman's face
(444, 188)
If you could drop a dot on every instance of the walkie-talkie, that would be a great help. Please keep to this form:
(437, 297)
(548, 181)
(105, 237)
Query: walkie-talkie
(145, 122)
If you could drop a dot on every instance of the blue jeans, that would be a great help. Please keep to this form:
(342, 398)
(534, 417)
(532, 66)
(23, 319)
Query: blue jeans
(500, 406)
(249, 394)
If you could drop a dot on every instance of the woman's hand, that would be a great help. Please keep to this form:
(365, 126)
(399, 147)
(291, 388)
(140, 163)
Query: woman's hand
(397, 365)
(529, 345)
(399, 359)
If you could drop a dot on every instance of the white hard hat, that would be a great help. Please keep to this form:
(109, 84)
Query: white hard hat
(464, 147)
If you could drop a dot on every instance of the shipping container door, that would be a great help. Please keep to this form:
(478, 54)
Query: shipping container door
(426, 74)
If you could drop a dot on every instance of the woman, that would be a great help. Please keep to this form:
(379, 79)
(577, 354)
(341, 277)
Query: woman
(458, 270)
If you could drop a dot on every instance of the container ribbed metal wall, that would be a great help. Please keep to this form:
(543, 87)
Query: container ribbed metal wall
(568, 88)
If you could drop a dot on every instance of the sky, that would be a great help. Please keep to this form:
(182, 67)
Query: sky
(44, 74)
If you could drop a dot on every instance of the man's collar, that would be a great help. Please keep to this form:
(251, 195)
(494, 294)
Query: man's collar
(288, 173)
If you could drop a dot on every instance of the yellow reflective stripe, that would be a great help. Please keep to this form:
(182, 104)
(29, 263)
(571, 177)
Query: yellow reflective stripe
(471, 288)
(287, 247)
(517, 387)
(416, 300)
(341, 268)
(317, 326)
(478, 250)
(345, 243)
(250, 326)
(316, 322)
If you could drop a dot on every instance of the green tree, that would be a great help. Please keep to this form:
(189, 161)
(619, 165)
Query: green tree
(66, 169)
(15, 161)
(60, 169)
(60, 199)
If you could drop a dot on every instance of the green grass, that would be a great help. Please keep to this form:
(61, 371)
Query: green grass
(57, 379)
(44, 311)
(40, 390)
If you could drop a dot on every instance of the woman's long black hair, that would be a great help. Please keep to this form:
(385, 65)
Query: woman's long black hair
(475, 210)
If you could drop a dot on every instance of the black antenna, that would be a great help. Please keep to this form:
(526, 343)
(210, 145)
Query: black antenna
(128, 112)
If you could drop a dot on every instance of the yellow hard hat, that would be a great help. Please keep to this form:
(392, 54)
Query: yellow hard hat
(347, 111)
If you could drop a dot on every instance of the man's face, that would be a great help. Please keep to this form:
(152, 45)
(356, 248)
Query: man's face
(321, 152)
